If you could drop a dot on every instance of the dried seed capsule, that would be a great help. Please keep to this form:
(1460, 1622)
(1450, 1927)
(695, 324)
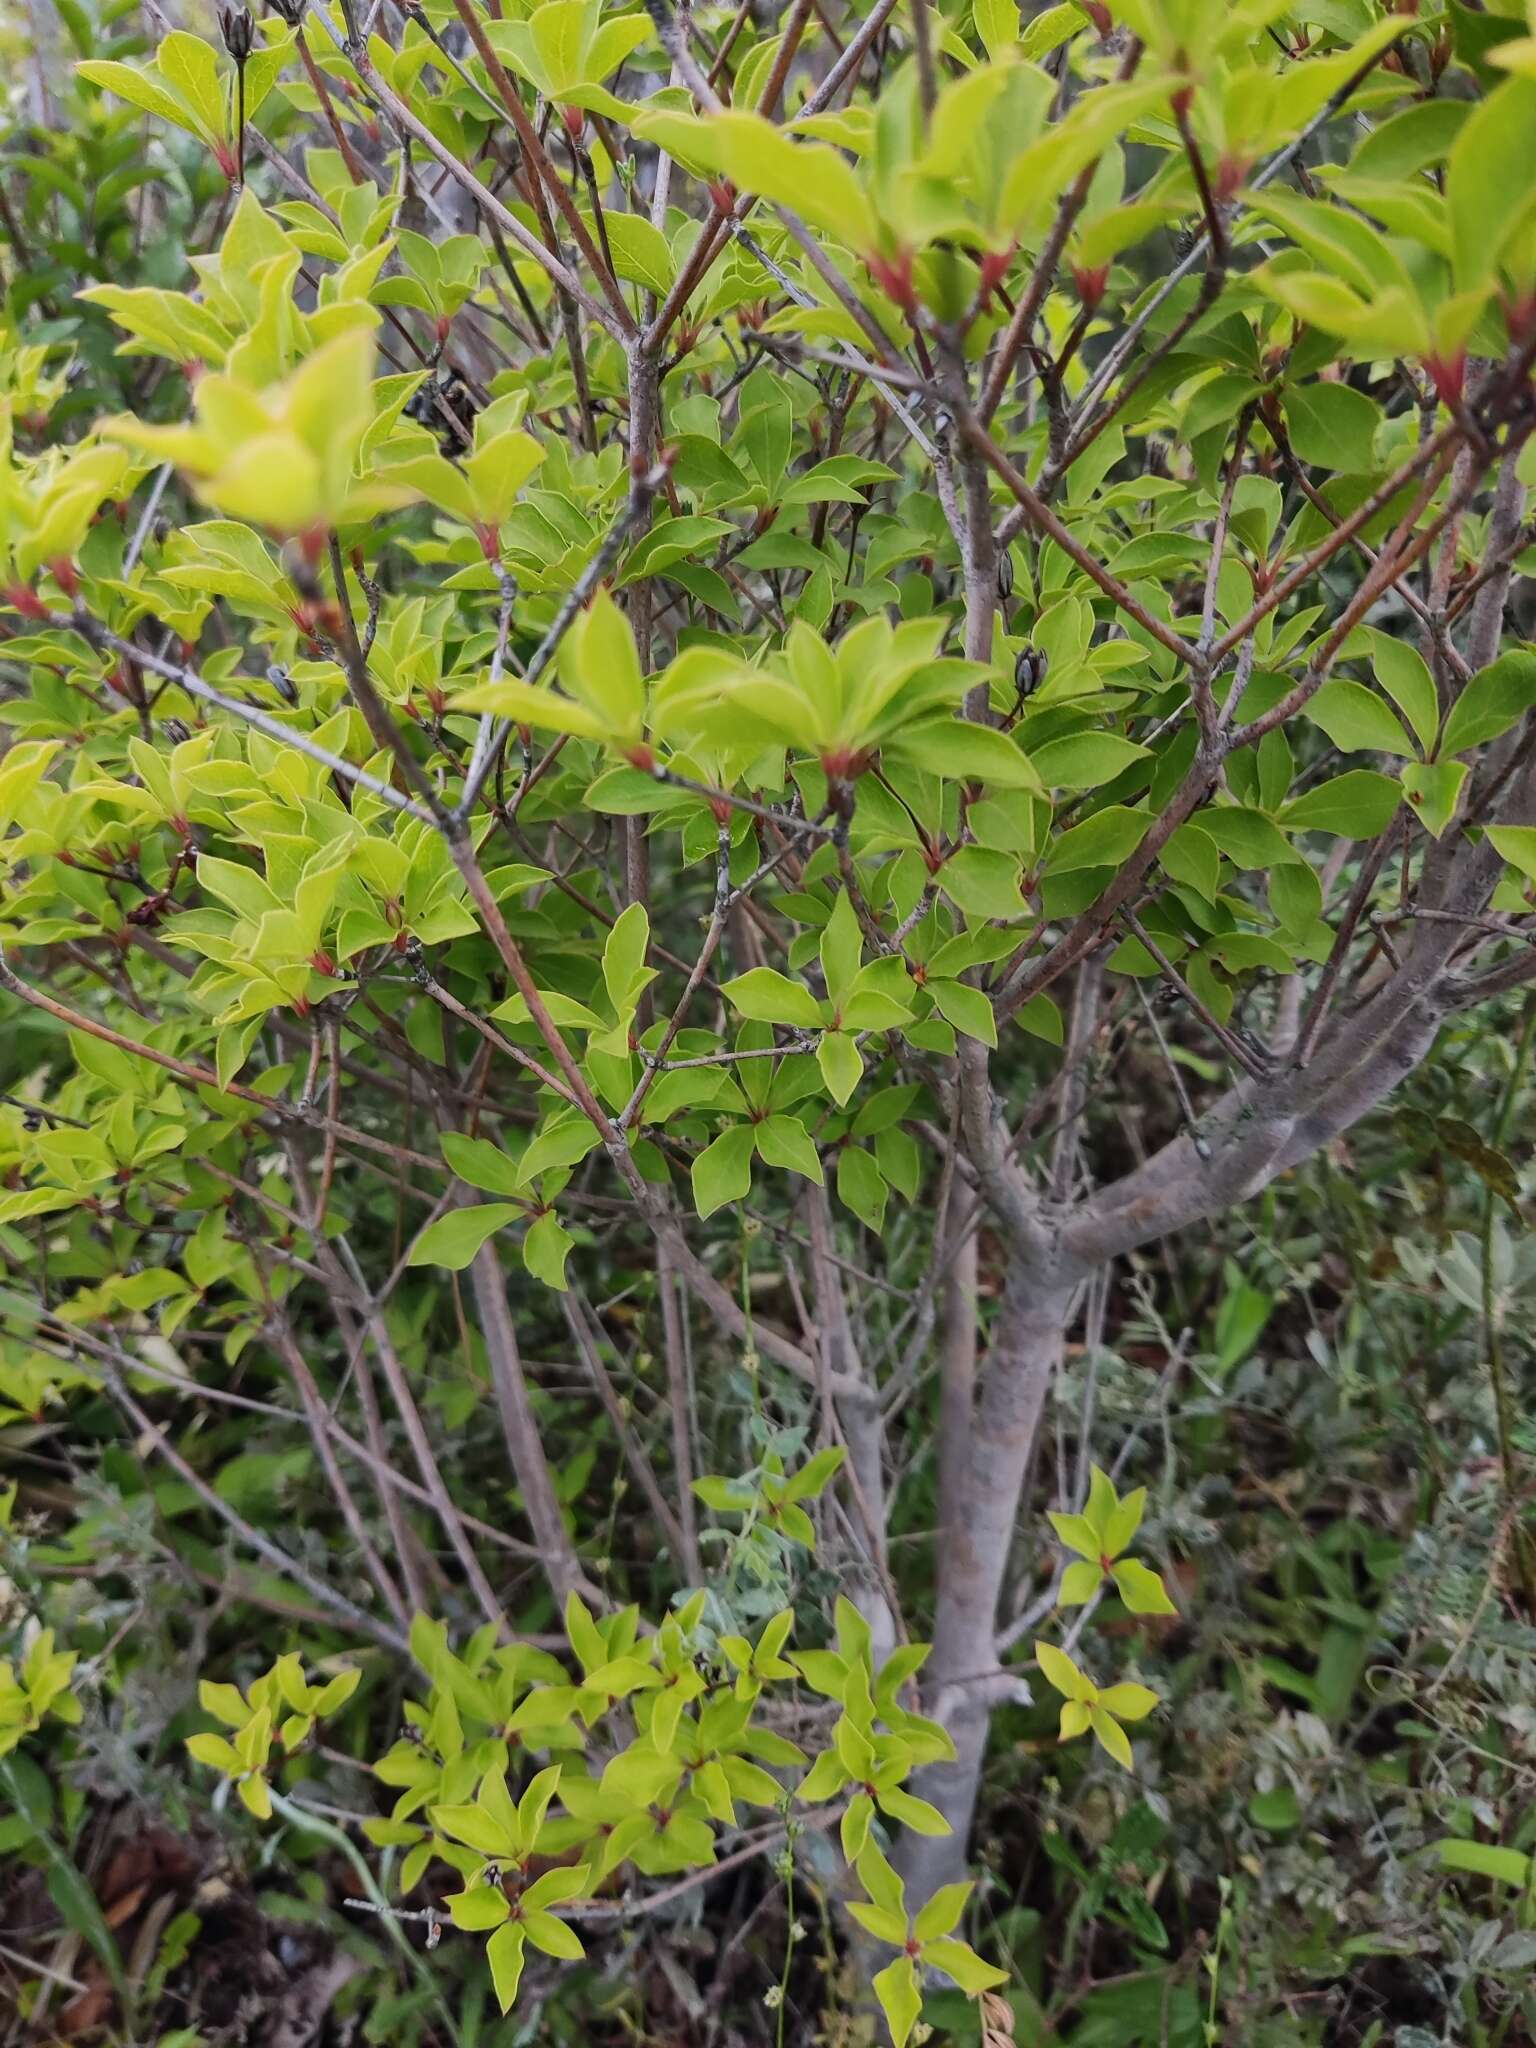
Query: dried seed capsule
(177, 729)
(1030, 667)
(446, 405)
(238, 31)
(1005, 575)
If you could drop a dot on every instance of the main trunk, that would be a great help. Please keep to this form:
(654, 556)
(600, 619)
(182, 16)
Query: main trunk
(978, 1514)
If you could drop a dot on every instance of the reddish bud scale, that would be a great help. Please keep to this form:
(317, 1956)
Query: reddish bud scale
(1230, 173)
(994, 268)
(224, 157)
(894, 277)
(642, 758)
(443, 327)
(1100, 16)
(22, 598)
(1448, 374)
(722, 194)
(1520, 318)
(1091, 284)
(575, 121)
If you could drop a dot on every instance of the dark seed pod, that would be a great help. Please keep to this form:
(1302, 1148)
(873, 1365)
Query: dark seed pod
(238, 31)
(1030, 668)
(177, 729)
(282, 682)
(942, 423)
(447, 406)
(1186, 238)
(292, 11)
(32, 1121)
(1005, 575)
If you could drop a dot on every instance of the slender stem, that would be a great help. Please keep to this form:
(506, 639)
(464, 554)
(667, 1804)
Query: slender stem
(1498, 1376)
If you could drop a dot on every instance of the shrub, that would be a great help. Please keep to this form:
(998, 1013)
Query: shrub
(673, 650)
